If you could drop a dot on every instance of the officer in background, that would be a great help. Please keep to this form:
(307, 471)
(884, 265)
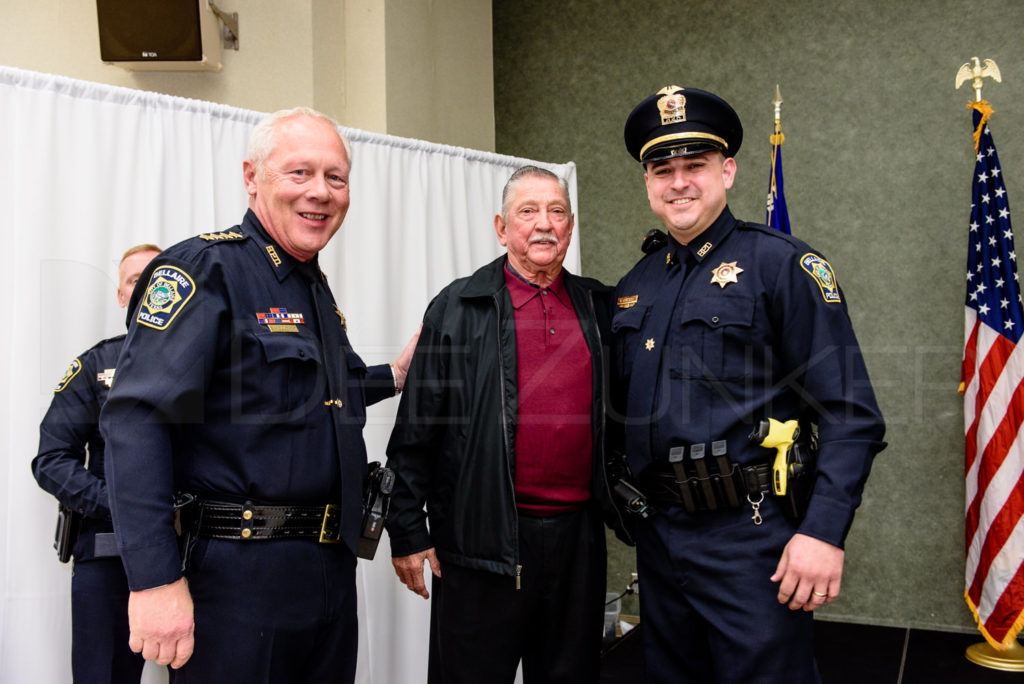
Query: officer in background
(722, 325)
(69, 465)
(237, 416)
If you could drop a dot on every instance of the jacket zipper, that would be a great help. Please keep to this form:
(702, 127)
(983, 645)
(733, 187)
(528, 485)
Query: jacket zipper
(604, 427)
(508, 455)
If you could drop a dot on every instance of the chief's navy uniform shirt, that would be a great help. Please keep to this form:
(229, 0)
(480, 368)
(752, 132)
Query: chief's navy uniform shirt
(222, 392)
(746, 323)
(69, 463)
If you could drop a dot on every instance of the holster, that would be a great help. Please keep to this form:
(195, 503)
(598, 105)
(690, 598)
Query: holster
(380, 480)
(68, 525)
(186, 524)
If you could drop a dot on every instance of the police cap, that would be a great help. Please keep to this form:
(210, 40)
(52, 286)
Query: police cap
(679, 122)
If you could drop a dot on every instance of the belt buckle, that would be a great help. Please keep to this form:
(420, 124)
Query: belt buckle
(330, 528)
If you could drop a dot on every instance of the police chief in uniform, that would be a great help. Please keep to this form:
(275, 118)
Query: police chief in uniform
(724, 324)
(69, 465)
(237, 415)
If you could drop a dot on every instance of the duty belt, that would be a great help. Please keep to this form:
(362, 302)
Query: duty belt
(661, 486)
(249, 522)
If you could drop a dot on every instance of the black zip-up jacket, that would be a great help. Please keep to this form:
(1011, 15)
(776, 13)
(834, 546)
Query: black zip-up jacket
(452, 447)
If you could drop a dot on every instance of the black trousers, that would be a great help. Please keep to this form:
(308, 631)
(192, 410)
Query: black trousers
(99, 625)
(272, 611)
(709, 611)
(481, 625)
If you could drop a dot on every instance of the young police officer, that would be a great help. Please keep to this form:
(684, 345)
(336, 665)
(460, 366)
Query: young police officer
(70, 466)
(722, 325)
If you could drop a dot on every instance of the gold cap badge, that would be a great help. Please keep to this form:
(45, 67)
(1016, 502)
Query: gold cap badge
(672, 105)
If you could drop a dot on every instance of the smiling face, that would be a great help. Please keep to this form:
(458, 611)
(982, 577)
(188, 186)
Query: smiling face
(300, 192)
(689, 193)
(536, 228)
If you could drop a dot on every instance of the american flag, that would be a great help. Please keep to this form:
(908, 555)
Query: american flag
(993, 390)
(777, 217)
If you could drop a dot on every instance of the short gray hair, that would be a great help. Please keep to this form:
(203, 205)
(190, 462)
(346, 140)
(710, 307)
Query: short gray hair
(262, 138)
(526, 172)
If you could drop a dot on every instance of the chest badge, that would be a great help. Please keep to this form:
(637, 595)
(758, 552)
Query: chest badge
(106, 377)
(628, 302)
(726, 273)
(649, 344)
(279, 320)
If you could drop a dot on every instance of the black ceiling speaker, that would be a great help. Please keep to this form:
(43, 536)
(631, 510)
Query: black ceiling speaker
(159, 35)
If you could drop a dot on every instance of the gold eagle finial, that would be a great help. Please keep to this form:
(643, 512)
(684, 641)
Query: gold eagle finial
(977, 73)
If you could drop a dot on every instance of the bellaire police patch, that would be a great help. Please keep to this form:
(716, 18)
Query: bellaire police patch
(168, 292)
(822, 273)
(71, 372)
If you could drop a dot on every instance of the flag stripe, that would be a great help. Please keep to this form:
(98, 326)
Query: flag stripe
(992, 382)
(999, 512)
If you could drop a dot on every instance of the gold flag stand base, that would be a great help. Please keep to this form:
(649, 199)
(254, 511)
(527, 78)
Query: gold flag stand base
(1010, 660)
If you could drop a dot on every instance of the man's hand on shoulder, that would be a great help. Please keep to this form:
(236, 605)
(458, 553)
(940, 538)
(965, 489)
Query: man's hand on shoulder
(809, 573)
(161, 624)
(410, 570)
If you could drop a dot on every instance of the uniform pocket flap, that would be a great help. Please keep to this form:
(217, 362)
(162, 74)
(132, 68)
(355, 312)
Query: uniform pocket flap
(281, 346)
(631, 318)
(719, 311)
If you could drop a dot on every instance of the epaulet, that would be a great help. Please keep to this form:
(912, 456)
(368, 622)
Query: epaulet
(764, 228)
(101, 343)
(222, 236)
(653, 241)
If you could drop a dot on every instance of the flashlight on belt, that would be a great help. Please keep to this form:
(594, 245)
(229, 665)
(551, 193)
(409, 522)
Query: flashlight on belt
(773, 434)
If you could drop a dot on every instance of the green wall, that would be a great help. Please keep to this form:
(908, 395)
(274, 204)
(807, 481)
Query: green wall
(878, 165)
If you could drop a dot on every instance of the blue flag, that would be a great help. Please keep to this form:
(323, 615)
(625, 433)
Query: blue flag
(777, 216)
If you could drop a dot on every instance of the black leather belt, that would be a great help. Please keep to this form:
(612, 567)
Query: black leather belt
(249, 522)
(659, 484)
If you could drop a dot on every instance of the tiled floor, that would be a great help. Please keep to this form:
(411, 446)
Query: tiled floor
(855, 654)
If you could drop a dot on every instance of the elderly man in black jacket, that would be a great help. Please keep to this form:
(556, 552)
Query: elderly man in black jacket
(499, 435)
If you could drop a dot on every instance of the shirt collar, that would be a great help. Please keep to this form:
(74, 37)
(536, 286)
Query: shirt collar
(521, 290)
(705, 243)
(280, 261)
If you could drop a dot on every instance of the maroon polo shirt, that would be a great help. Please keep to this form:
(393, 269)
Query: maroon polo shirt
(554, 443)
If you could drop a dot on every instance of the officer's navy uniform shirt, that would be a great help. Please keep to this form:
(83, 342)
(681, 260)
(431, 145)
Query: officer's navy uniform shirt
(69, 464)
(707, 362)
(217, 403)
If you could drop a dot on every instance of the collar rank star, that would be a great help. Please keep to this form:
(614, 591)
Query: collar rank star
(726, 273)
(279, 320)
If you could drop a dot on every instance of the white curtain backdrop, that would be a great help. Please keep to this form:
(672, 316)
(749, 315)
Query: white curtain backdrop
(88, 170)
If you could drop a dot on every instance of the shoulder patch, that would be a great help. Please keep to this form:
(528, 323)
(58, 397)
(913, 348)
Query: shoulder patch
(222, 235)
(821, 271)
(70, 373)
(169, 290)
